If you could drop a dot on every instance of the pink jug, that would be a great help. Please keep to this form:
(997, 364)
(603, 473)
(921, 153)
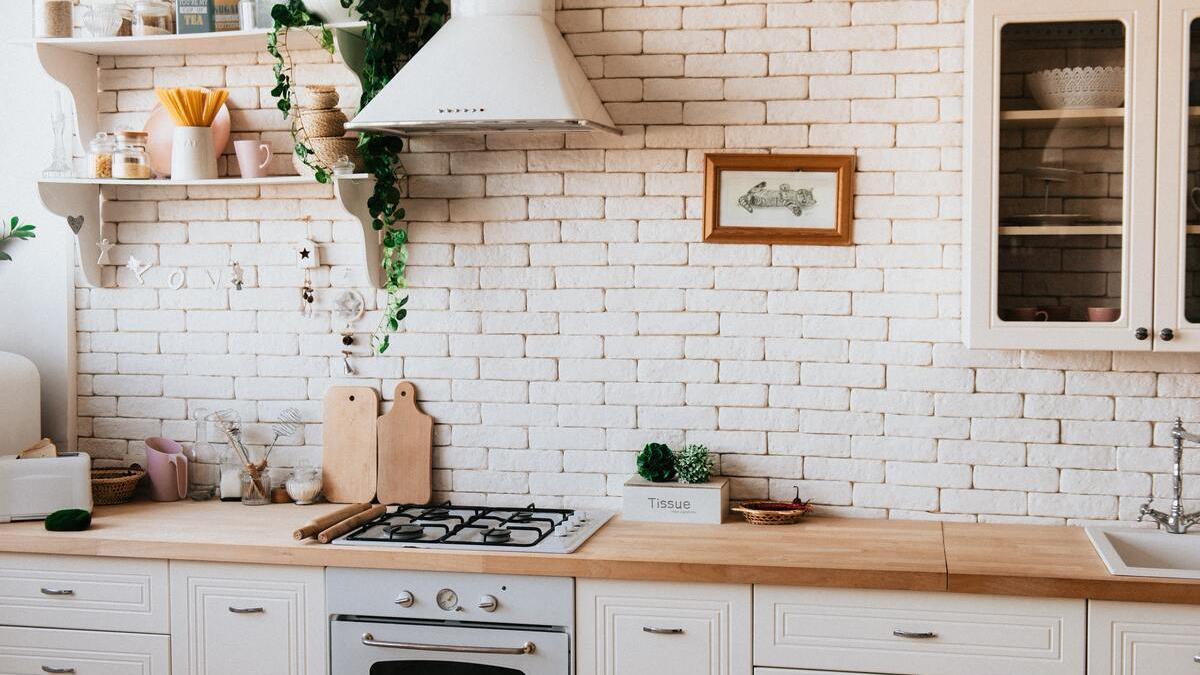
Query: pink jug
(168, 469)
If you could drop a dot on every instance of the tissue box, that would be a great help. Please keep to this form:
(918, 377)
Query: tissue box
(676, 502)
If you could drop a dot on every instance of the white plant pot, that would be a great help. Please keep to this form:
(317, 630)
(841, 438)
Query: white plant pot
(331, 11)
(192, 154)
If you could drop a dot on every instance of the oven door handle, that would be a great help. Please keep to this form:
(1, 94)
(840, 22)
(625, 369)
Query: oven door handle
(370, 641)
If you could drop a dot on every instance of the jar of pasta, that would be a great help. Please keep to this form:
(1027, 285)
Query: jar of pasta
(130, 160)
(100, 155)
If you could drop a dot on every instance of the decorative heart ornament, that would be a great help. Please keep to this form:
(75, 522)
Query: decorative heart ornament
(75, 223)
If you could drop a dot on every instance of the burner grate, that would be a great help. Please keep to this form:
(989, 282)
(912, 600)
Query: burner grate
(448, 524)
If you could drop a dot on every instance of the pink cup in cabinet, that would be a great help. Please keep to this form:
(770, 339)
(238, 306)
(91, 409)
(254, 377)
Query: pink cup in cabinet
(167, 467)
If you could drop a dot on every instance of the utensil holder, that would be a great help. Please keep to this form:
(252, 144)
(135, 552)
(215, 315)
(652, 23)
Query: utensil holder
(192, 154)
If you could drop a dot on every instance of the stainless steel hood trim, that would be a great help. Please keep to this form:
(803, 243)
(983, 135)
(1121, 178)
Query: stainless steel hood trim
(427, 127)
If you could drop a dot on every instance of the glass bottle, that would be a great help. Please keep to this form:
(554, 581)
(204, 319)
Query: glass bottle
(153, 17)
(60, 161)
(131, 161)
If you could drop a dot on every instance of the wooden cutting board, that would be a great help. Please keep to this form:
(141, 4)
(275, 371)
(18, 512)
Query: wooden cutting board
(405, 451)
(349, 456)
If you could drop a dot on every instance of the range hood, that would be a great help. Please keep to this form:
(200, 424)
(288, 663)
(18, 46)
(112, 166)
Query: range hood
(496, 65)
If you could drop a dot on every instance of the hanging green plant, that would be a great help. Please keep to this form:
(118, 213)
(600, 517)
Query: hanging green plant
(395, 30)
(11, 231)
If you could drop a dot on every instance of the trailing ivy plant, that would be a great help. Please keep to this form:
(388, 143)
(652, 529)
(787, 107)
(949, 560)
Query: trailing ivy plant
(395, 30)
(12, 231)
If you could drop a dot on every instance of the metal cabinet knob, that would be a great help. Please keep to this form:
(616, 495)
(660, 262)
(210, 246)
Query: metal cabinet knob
(914, 636)
(405, 599)
(1166, 335)
(662, 631)
(246, 610)
(1141, 333)
(57, 591)
(52, 669)
(488, 603)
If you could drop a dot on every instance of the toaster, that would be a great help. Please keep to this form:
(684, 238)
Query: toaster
(34, 487)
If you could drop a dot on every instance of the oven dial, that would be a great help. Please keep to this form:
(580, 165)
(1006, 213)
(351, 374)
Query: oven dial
(447, 600)
(488, 603)
(405, 599)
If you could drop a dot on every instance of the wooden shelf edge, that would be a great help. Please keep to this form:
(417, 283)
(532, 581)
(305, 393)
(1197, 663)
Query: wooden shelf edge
(1059, 230)
(1064, 117)
(166, 182)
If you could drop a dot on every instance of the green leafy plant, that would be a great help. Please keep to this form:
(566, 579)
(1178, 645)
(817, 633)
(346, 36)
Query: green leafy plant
(12, 231)
(656, 463)
(395, 30)
(694, 464)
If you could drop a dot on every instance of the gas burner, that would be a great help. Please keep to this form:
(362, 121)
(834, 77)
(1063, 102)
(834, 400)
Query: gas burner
(496, 534)
(406, 532)
(521, 517)
(434, 514)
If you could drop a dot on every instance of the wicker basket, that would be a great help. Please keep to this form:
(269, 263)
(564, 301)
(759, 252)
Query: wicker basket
(323, 123)
(318, 97)
(115, 486)
(773, 513)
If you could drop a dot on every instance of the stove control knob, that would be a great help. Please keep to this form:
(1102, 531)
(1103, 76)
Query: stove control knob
(488, 603)
(405, 599)
(581, 516)
(561, 530)
(573, 522)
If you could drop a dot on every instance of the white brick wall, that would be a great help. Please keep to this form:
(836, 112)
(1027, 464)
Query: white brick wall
(564, 311)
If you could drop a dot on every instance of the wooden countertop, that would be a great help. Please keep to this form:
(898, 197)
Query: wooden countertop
(837, 552)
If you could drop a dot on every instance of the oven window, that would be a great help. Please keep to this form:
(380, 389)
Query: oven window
(437, 668)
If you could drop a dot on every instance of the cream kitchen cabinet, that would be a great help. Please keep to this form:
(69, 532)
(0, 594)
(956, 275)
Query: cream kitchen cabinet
(247, 619)
(909, 633)
(649, 628)
(1081, 229)
(1133, 638)
(37, 651)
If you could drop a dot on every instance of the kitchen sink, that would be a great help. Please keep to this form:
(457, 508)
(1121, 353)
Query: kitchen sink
(1132, 552)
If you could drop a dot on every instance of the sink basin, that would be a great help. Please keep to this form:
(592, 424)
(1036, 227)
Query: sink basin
(1131, 552)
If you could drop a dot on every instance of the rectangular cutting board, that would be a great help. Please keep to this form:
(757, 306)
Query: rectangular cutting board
(349, 455)
(405, 451)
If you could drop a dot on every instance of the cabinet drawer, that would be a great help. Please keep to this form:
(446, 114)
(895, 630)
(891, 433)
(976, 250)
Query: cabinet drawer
(248, 619)
(114, 594)
(789, 671)
(37, 651)
(642, 628)
(917, 633)
(1135, 638)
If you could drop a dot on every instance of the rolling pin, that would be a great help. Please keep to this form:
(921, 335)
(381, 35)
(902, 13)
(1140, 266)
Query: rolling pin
(315, 525)
(350, 523)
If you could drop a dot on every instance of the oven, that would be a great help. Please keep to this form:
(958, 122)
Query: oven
(392, 622)
(375, 647)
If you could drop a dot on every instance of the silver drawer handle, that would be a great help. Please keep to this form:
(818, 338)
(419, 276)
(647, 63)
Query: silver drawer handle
(57, 591)
(662, 631)
(1196, 658)
(49, 669)
(370, 641)
(247, 610)
(913, 636)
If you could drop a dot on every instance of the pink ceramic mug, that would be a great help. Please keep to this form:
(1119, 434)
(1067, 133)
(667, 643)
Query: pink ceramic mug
(168, 469)
(253, 158)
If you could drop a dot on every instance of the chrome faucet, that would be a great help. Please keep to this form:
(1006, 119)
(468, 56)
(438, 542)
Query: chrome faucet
(1175, 522)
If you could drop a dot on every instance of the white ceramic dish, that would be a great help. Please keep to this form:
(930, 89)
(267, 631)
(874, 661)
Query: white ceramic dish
(1085, 87)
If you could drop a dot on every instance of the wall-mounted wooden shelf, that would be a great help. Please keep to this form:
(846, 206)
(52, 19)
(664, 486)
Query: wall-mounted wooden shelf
(78, 199)
(1074, 117)
(1058, 230)
(226, 42)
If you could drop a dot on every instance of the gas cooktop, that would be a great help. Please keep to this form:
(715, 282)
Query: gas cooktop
(479, 528)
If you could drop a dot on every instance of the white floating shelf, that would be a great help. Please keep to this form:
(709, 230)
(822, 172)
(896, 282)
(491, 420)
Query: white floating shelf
(1073, 117)
(78, 200)
(226, 42)
(231, 181)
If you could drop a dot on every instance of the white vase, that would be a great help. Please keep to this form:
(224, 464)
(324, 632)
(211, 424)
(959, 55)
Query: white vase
(192, 154)
(331, 11)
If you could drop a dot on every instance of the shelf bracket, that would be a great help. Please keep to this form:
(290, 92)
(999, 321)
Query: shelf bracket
(353, 48)
(80, 205)
(78, 73)
(353, 194)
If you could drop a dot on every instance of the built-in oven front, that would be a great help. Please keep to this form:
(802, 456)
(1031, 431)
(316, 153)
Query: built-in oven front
(381, 647)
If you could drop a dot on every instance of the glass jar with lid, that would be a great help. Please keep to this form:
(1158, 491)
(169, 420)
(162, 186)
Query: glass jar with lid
(100, 155)
(130, 159)
(153, 17)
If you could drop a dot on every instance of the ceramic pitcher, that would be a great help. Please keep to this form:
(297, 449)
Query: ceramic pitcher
(168, 469)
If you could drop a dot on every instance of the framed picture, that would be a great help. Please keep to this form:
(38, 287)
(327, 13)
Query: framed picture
(778, 199)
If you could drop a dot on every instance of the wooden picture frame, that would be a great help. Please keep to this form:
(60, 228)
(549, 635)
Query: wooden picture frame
(820, 210)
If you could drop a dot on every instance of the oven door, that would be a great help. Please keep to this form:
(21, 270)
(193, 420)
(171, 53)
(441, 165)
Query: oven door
(392, 648)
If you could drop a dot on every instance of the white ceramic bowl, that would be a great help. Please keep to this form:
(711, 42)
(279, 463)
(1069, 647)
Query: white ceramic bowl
(1086, 87)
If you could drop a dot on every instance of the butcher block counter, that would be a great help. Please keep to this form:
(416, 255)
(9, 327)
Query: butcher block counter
(1025, 560)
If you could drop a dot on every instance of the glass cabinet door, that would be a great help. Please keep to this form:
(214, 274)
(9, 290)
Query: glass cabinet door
(1060, 175)
(1177, 256)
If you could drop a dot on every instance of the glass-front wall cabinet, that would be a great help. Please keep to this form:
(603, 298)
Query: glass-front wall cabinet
(1059, 177)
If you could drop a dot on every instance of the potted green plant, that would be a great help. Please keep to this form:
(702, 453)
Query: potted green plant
(12, 231)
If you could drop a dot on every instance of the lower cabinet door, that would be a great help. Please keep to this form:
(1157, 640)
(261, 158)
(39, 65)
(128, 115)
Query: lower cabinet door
(1137, 638)
(248, 619)
(38, 651)
(642, 628)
